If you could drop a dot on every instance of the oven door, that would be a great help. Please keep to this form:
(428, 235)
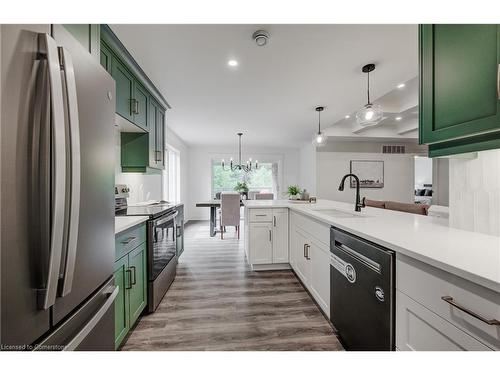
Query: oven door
(162, 247)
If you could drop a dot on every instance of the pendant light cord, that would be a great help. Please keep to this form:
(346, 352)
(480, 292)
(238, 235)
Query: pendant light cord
(368, 91)
(319, 122)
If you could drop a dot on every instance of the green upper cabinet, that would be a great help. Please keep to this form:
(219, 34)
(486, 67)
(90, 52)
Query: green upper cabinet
(156, 135)
(88, 35)
(124, 89)
(106, 57)
(141, 107)
(459, 98)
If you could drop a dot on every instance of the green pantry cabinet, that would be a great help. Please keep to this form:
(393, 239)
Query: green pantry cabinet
(130, 276)
(459, 88)
(139, 103)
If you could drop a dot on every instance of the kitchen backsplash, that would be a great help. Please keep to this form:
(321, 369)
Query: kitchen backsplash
(475, 193)
(142, 186)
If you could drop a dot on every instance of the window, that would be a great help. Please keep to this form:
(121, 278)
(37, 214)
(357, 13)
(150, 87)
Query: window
(172, 176)
(261, 180)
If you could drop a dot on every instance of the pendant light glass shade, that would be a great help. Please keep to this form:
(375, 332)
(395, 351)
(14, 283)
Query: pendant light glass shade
(371, 113)
(319, 139)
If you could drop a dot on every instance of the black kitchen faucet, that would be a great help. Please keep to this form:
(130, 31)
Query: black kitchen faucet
(358, 205)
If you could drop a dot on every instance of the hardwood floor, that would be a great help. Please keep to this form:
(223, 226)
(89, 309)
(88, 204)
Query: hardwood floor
(217, 303)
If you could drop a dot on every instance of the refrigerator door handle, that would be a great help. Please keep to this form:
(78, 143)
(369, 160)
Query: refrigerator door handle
(47, 50)
(74, 131)
(112, 292)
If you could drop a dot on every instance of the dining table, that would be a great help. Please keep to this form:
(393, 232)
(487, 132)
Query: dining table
(213, 204)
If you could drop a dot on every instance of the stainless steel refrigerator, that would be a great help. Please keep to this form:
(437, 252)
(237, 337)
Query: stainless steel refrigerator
(57, 193)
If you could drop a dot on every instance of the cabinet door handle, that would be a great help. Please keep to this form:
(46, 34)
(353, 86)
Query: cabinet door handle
(129, 278)
(307, 252)
(135, 280)
(136, 107)
(274, 221)
(270, 235)
(129, 240)
(451, 301)
(498, 81)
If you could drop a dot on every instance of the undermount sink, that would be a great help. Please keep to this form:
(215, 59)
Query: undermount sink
(338, 213)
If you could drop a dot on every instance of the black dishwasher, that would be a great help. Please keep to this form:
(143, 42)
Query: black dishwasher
(361, 292)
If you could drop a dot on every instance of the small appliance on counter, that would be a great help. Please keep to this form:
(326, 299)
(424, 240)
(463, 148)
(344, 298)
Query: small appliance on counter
(163, 228)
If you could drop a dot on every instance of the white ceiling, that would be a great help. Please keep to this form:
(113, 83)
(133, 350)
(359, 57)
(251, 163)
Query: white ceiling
(272, 94)
(399, 103)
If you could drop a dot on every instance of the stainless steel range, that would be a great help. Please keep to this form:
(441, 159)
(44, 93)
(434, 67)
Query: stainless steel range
(162, 237)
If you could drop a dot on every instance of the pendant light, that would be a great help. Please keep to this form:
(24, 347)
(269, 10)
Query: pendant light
(319, 138)
(247, 167)
(371, 113)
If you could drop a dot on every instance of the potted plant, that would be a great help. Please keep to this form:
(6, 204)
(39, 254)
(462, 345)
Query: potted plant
(242, 188)
(293, 192)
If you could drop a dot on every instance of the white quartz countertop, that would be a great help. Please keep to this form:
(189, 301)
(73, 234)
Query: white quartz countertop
(123, 223)
(473, 256)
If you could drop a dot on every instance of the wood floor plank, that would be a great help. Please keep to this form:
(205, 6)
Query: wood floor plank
(217, 303)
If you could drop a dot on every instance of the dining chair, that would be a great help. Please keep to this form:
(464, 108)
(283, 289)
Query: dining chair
(229, 212)
(266, 196)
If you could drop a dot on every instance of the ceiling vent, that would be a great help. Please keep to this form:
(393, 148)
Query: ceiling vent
(394, 149)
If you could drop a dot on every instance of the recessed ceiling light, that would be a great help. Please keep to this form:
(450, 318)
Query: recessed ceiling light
(347, 116)
(401, 85)
(399, 118)
(232, 63)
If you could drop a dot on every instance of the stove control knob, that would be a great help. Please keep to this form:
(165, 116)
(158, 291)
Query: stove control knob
(124, 190)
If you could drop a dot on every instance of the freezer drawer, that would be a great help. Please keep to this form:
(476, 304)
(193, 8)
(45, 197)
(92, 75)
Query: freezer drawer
(91, 327)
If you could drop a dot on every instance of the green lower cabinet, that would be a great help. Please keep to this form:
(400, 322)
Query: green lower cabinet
(131, 277)
(122, 301)
(138, 294)
(459, 104)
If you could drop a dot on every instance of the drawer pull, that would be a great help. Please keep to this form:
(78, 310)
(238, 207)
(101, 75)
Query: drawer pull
(451, 301)
(129, 240)
(260, 215)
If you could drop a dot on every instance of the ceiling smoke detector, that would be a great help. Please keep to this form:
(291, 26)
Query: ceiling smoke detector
(260, 37)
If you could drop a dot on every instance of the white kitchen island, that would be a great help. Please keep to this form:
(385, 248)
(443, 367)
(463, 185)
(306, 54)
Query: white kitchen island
(433, 261)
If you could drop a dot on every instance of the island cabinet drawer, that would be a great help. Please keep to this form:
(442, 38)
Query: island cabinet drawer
(260, 215)
(419, 329)
(318, 230)
(129, 240)
(466, 305)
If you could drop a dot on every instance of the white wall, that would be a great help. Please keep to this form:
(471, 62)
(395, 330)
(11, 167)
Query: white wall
(142, 186)
(398, 176)
(423, 172)
(441, 183)
(176, 142)
(307, 168)
(199, 172)
(475, 193)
